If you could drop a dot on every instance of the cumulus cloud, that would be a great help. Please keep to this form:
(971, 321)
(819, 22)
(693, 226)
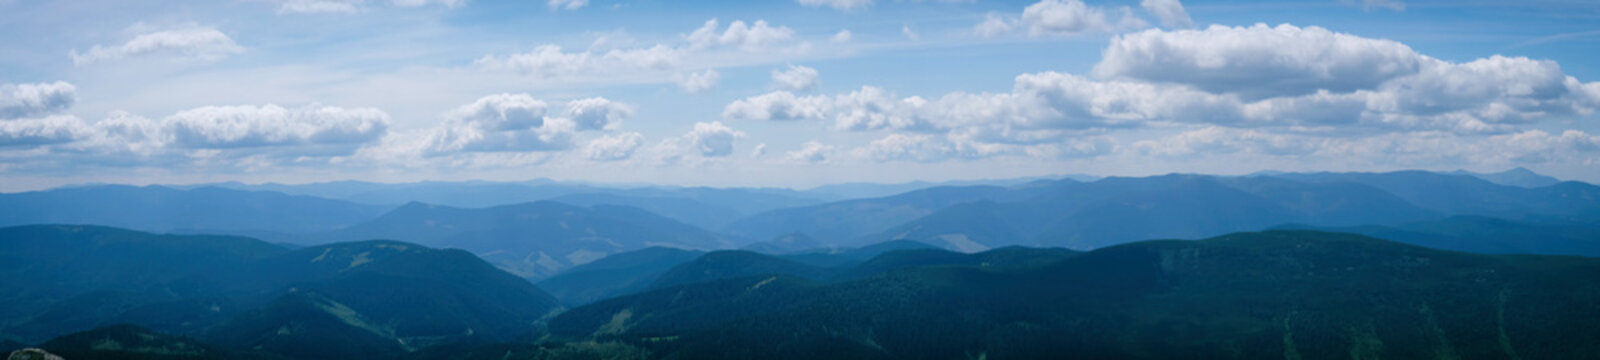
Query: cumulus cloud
(41, 131)
(795, 78)
(1072, 17)
(1060, 18)
(224, 127)
(30, 100)
(597, 113)
(750, 37)
(567, 4)
(699, 82)
(841, 5)
(1169, 12)
(191, 43)
(778, 105)
(244, 135)
(812, 152)
(503, 123)
(1259, 60)
(1327, 85)
(712, 139)
(613, 147)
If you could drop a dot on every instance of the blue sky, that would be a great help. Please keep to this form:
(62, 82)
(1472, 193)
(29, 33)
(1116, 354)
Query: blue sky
(788, 93)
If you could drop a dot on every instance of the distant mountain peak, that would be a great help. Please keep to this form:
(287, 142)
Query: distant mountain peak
(1517, 176)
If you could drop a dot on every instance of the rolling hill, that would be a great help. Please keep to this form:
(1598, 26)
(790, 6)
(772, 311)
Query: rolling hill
(1249, 295)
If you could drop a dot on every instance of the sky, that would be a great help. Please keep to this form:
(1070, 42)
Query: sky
(788, 93)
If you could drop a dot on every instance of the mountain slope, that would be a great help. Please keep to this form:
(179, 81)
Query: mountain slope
(1249, 295)
(1485, 235)
(63, 278)
(617, 274)
(533, 240)
(376, 298)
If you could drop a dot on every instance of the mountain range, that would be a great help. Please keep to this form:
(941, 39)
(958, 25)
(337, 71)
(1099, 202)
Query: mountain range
(329, 301)
(1280, 294)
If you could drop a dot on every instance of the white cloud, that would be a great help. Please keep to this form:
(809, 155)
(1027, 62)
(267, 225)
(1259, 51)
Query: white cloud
(567, 4)
(909, 34)
(712, 139)
(751, 37)
(1064, 17)
(190, 43)
(812, 152)
(699, 82)
(508, 123)
(795, 78)
(842, 36)
(500, 123)
(1169, 12)
(778, 105)
(502, 112)
(994, 25)
(35, 132)
(1258, 61)
(29, 100)
(597, 113)
(613, 147)
(1370, 5)
(225, 127)
(841, 5)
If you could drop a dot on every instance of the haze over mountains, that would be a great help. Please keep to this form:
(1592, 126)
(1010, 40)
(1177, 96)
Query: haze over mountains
(573, 270)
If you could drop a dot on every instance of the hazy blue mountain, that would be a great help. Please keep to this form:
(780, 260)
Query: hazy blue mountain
(684, 210)
(1469, 195)
(1249, 295)
(163, 209)
(534, 240)
(1117, 210)
(617, 274)
(1485, 235)
(848, 191)
(839, 223)
(702, 206)
(1521, 177)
